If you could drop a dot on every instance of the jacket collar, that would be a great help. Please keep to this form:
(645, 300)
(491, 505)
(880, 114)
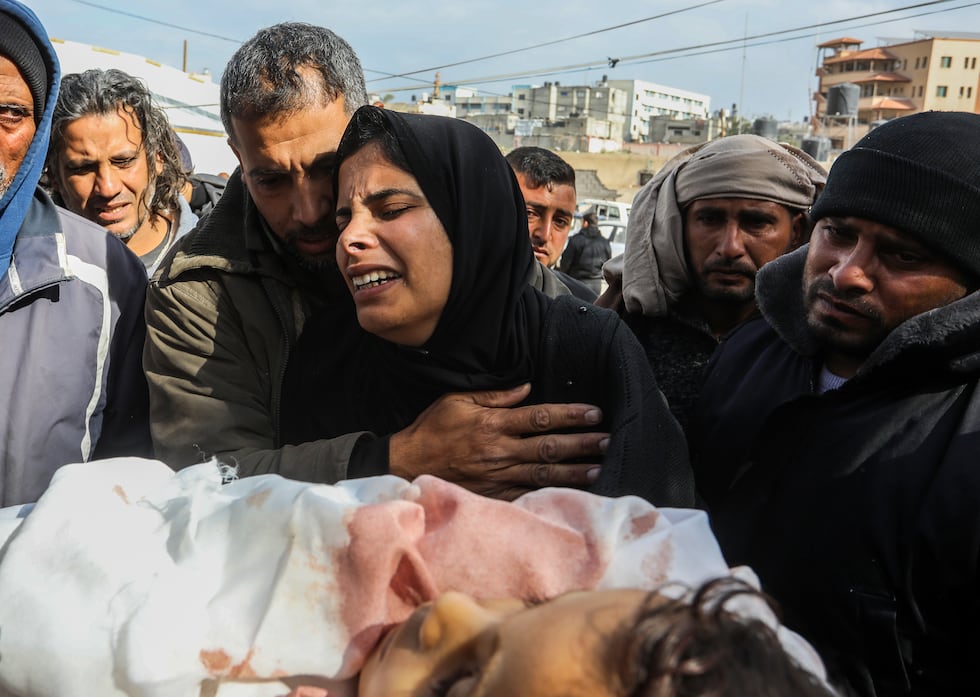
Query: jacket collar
(40, 258)
(231, 238)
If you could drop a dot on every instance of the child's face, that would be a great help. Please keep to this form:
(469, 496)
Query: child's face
(461, 647)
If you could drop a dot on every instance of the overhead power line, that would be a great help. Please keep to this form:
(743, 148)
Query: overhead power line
(387, 75)
(555, 41)
(751, 45)
(158, 21)
(802, 36)
(667, 54)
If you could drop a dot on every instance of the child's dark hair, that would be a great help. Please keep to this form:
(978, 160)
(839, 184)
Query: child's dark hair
(694, 647)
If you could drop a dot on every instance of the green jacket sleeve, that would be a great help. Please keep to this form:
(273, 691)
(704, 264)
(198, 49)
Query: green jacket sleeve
(214, 369)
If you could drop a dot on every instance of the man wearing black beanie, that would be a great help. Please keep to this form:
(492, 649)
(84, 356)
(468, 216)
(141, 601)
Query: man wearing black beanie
(846, 419)
(71, 297)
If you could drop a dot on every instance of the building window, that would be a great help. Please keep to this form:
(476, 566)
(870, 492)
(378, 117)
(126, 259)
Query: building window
(973, 63)
(966, 63)
(905, 64)
(916, 63)
(945, 61)
(521, 97)
(969, 92)
(920, 90)
(961, 91)
(941, 91)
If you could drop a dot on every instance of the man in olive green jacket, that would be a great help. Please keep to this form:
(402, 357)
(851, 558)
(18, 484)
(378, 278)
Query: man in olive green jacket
(230, 300)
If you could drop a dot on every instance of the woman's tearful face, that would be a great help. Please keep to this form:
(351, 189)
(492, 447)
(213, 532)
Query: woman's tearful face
(393, 251)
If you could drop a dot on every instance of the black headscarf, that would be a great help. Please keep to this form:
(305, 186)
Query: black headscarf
(341, 379)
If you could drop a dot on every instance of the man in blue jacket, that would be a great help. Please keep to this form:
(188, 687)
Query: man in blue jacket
(71, 296)
(839, 433)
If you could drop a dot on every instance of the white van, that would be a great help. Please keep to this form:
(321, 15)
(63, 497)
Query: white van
(614, 211)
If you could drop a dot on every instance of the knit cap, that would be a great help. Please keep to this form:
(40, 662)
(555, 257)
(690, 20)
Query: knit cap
(919, 174)
(18, 46)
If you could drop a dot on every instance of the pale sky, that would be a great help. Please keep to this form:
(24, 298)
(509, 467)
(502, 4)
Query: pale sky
(768, 76)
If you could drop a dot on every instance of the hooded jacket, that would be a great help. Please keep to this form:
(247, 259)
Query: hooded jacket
(585, 254)
(71, 322)
(859, 507)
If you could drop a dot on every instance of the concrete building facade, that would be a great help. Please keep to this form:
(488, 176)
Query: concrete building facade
(939, 73)
(648, 100)
(615, 110)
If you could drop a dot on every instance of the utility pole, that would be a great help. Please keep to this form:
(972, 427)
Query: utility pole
(185, 56)
(741, 87)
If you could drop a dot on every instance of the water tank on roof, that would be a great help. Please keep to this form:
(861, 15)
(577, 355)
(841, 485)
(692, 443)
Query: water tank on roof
(767, 128)
(842, 100)
(817, 147)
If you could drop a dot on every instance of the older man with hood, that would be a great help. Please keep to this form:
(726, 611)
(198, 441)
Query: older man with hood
(698, 233)
(71, 296)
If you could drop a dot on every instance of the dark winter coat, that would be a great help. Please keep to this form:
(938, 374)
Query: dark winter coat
(859, 508)
(494, 330)
(585, 254)
(678, 348)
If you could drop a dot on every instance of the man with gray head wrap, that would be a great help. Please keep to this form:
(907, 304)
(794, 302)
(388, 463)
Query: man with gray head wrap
(698, 233)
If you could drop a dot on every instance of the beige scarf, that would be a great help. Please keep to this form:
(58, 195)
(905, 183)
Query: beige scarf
(653, 273)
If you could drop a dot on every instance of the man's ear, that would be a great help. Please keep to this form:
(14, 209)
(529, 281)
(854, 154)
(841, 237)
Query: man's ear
(800, 231)
(53, 178)
(158, 163)
(231, 144)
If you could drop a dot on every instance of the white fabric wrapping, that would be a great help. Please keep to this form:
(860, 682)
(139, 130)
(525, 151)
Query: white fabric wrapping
(129, 579)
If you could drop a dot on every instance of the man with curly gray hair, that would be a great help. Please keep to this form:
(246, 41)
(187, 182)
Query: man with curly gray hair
(113, 159)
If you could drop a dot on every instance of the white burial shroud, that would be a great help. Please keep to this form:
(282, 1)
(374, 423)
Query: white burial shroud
(127, 578)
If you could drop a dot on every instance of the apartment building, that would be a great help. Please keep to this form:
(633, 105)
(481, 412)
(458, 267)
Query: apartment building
(609, 109)
(556, 102)
(938, 72)
(648, 100)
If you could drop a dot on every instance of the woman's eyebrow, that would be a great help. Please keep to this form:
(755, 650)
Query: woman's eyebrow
(382, 194)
